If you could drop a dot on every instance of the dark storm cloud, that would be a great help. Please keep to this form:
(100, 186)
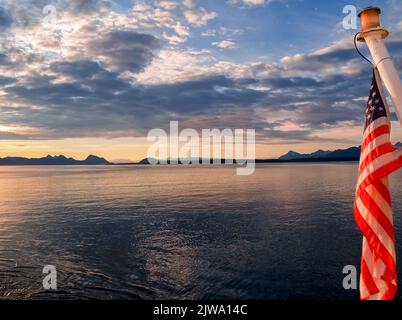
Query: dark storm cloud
(10, 136)
(291, 82)
(319, 102)
(97, 100)
(6, 80)
(318, 62)
(81, 69)
(5, 18)
(125, 50)
(203, 95)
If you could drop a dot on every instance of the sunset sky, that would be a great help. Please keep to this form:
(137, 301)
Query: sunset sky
(99, 76)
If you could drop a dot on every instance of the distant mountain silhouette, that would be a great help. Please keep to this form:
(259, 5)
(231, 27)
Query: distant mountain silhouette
(352, 153)
(145, 161)
(52, 160)
(95, 160)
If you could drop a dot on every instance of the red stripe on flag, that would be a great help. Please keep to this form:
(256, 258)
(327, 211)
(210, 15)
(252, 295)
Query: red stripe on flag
(391, 292)
(379, 174)
(374, 134)
(380, 216)
(383, 191)
(376, 153)
(368, 279)
(377, 247)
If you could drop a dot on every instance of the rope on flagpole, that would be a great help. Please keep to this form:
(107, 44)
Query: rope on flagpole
(359, 52)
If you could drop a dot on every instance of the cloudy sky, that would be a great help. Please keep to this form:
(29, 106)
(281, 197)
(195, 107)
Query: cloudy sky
(94, 76)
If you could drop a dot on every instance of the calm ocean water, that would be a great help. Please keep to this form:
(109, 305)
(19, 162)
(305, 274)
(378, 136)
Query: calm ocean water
(141, 232)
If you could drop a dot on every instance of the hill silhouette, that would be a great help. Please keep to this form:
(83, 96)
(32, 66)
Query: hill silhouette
(349, 154)
(52, 160)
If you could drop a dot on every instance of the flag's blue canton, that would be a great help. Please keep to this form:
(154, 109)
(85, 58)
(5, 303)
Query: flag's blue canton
(375, 105)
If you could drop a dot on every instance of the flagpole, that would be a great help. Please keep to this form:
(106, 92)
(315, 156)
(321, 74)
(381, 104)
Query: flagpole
(374, 36)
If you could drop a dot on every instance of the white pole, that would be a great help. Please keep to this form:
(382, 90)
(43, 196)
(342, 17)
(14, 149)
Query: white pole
(386, 67)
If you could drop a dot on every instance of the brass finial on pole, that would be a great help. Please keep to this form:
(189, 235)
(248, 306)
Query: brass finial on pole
(370, 18)
(373, 35)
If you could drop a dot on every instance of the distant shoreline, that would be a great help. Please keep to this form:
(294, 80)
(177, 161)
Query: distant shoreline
(264, 161)
(141, 163)
(351, 154)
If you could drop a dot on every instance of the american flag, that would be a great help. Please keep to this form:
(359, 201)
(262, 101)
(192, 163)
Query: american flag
(373, 214)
